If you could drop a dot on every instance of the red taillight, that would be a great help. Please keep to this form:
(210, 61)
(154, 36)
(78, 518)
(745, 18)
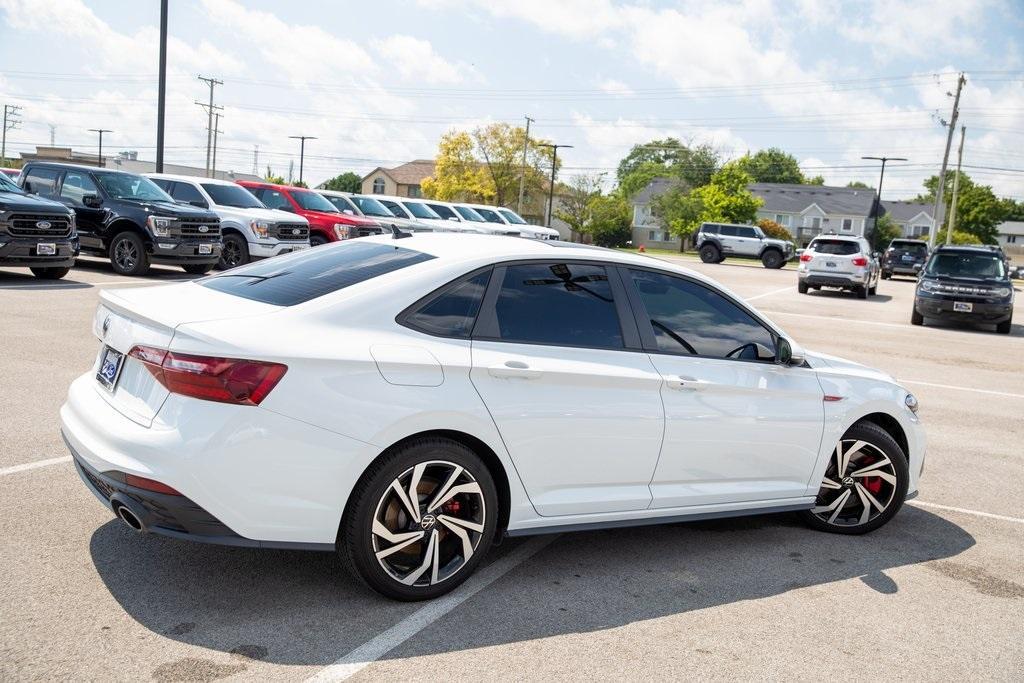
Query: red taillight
(859, 261)
(805, 257)
(149, 485)
(226, 380)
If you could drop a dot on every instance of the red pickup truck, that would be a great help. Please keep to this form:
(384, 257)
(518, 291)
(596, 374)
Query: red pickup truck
(326, 223)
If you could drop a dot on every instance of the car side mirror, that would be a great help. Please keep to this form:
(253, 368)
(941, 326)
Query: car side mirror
(876, 255)
(350, 212)
(788, 352)
(453, 218)
(92, 201)
(198, 202)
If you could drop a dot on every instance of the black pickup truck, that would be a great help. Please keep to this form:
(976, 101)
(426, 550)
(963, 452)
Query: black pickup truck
(125, 217)
(35, 233)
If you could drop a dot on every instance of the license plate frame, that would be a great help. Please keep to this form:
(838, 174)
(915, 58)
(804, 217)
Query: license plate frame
(205, 249)
(111, 364)
(963, 307)
(46, 249)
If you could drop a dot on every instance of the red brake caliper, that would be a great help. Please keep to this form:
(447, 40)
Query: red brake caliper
(872, 484)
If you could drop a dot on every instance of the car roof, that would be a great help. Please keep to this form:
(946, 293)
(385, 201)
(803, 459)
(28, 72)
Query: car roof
(190, 179)
(846, 238)
(970, 248)
(83, 167)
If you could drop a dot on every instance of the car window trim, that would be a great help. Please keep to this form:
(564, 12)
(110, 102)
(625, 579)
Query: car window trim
(643, 320)
(403, 317)
(486, 327)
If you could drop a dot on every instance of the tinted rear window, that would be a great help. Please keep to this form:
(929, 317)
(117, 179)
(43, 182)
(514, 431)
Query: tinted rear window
(452, 312)
(290, 280)
(835, 247)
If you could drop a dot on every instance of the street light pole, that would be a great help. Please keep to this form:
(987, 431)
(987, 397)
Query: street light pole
(522, 171)
(161, 89)
(101, 131)
(302, 149)
(878, 198)
(554, 165)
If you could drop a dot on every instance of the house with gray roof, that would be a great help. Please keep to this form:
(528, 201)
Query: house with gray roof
(809, 210)
(646, 229)
(914, 219)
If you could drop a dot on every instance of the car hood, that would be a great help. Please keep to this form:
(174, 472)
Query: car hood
(269, 215)
(172, 209)
(841, 366)
(339, 217)
(15, 201)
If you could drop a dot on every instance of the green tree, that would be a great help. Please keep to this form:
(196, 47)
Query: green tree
(300, 183)
(574, 201)
(610, 219)
(726, 198)
(816, 180)
(978, 210)
(457, 173)
(678, 211)
(1013, 210)
(271, 178)
(773, 166)
(499, 147)
(641, 176)
(883, 233)
(858, 185)
(346, 182)
(693, 164)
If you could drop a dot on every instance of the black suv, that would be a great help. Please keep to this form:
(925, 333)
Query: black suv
(968, 284)
(35, 232)
(904, 257)
(127, 218)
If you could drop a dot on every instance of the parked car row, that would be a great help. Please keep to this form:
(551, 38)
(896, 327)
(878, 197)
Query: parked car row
(54, 212)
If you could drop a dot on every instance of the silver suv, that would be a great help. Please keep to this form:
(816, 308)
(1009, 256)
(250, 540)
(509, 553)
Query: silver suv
(839, 261)
(716, 241)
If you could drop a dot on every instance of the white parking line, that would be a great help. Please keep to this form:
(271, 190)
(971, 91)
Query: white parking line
(956, 388)
(774, 291)
(372, 650)
(14, 469)
(976, 513)
(834, 318)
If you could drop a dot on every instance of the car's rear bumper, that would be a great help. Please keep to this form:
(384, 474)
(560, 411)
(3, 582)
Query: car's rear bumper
(832, 280)
(267, 479)
(901, 269)
(980, 313)
(23, 252)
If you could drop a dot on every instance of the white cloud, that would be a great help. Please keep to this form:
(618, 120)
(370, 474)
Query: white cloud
(415, 60)
(615, 87)
(901, 27)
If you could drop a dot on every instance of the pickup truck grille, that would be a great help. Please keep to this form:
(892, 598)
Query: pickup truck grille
(192, 229)
(28, 225)
(291, 231)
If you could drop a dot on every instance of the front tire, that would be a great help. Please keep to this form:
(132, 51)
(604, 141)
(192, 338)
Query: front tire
(864, 485)
(916, 318)
(197, 268)
(406, 534)
(128, 254)
(234, 253)
(317, 240)
(1005, 326)
(50, 273)
(772, 259)
(709, 253)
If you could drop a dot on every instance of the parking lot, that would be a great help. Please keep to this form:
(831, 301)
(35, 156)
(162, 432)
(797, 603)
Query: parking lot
(936, 594)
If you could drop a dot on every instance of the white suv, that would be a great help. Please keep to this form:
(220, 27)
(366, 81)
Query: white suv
(250, 230)
(839, 261)
(416, 209)
(371, 207)
(499, 216)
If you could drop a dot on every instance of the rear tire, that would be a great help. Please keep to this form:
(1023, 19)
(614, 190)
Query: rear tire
(886, 276)
(50, 273)
(862, 292)
(197, 268)
(709, 253)
(916, 318)
(771, 258)
(234, 253)
(801, 287)
(873, 290)
(378, 519)
(128, 254)
(864, 485)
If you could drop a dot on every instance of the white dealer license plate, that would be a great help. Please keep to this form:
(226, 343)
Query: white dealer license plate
(205, 248)
(962, 307)
(46, 249)
(110, 367)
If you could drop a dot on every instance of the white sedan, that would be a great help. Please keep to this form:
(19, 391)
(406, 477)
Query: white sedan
(406, 400)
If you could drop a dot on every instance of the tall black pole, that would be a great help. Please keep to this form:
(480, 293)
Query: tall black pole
(554, 165)
(878, 197)
(161, 89)
(302, 149)
(101, 131)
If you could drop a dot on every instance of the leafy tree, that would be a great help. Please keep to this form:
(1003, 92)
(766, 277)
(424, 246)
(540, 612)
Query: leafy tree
(978, 210)
(346, 182)
(816, 180)
(773, 229)
(694, 164)
(678, 211)
(271, 178)
(726, 198)
(886, 231)
(641, 176)
(610, 219)
(773, 166)
(500, 147)
(457, 173)
(858, 185)
(1013, 210)
(300, 183)
(575, 198)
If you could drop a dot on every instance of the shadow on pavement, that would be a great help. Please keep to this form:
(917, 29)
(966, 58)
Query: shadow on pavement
(27, 280)
(842, 294)
(300, 608)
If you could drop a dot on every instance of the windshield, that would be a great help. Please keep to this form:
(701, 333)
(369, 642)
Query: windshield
(371, 207)
(420, 210)
(915, 248)
(7, 185)
(232, 195)
(394, 208)
(342, 203)
(512, 217)
(490, 216)
(311, 201)
(443, 211)
(966, 264)
(132, 187)
(469, 214)
(835, 247)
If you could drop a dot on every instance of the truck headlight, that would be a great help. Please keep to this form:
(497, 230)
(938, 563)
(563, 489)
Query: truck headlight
(342, 231)
(929, 285)
(911, 403)
(260, 228)
(1002, 292)
(160, 227)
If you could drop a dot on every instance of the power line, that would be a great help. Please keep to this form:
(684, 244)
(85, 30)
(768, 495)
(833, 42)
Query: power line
(12, 119)
(212, 82)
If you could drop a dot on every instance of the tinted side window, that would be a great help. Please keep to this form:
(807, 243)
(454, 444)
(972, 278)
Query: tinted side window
(163, 184)
(295, 278)
(689, 318)
(41, 181)
(183, 192)
(709, 229)
(746, 232)
(76, 185)
(273, 199)
(452, 312)
(727, 230)
(563, 304)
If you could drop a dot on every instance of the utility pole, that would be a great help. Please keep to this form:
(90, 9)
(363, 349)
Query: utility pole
(302, 149)
(554, 165)
(161, 89)
(522, 172)
(951, 224)
(216, 130)
(12, 119)
(255, 159)
(53, 134)
(877, 208)
(209, 116)
(940, 207)
(101, 131)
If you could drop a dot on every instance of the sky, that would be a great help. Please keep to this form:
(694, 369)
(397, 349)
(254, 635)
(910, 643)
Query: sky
(377, 84)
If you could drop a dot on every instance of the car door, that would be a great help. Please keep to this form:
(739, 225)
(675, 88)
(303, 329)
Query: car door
(728, 239)
(74, 188)
(558, 363)
(747, 242)
(738, 426)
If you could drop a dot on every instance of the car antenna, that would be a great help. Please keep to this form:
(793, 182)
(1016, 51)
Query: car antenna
(397, 234)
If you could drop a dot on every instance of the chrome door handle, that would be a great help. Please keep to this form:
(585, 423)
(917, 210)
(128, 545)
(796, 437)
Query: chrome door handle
(681, 382)
(514, 368)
